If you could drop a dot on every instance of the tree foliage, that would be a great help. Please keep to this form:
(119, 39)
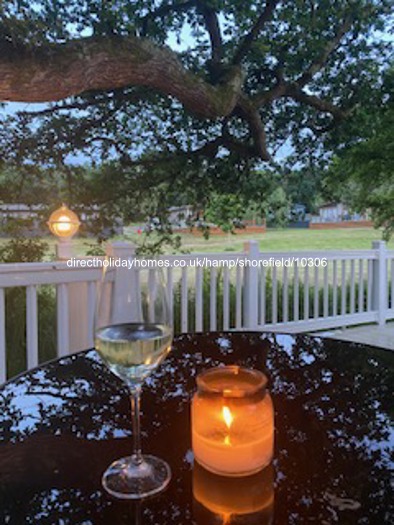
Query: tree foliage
(225, 211)
(364, 173)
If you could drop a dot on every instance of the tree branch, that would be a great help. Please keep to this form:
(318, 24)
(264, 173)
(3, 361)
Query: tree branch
(321, 60)
(213, 28)
(250, 113)
(254, 32)
(322, 105)
(62, 70)
(81, 105)
(294, 91)
(210, 18)
(208, 150)
(265, 98)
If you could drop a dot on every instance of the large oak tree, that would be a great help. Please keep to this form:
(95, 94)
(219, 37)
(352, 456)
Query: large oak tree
(212, 87)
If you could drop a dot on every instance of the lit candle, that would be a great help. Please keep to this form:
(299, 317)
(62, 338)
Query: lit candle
(232, 421)
(228, 498)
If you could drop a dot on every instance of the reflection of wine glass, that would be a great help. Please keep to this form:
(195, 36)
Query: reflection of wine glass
(133, 335)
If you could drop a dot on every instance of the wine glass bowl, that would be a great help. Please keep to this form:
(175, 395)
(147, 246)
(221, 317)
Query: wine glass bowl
(133, 350)
(133, 334)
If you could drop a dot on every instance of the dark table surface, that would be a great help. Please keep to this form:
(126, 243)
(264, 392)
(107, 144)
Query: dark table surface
(63, 423)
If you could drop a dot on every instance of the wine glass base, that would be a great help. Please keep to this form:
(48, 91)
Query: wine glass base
(125, 479)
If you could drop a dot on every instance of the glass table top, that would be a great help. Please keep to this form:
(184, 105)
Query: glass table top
(63, 423)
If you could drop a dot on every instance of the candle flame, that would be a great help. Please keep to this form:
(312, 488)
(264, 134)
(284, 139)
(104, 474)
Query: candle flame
(227, 416)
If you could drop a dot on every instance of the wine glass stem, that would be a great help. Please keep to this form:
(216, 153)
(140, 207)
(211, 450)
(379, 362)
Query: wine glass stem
(135, 399)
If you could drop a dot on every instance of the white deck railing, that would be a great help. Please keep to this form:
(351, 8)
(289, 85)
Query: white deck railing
(354, 287)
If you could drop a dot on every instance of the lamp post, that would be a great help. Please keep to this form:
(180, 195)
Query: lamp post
(64, 224)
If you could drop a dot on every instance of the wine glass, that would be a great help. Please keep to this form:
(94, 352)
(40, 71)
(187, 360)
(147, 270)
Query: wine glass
(133, 334)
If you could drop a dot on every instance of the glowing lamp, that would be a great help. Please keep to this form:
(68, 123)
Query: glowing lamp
(63, 223)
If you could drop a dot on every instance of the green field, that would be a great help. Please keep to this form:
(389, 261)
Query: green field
(272, 240)
(286, 240)
(289, 240)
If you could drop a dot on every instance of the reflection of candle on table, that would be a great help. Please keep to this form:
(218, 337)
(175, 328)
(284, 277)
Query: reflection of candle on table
(229, 497)
(232, 421)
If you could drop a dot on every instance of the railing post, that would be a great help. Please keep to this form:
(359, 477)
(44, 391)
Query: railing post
(68, 306)
(64, 249)
(79, 336)
(379, 281)
(125, 282)
(77, 321)
(120, 250)
(251, 286)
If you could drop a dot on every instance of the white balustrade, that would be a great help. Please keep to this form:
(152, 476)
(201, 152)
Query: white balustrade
(354, 287)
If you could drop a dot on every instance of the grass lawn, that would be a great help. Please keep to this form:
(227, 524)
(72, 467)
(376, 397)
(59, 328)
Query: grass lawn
(273, 240)
(289, 240)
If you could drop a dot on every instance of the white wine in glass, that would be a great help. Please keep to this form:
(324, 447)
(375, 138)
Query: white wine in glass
(133, 334)
(132, 351)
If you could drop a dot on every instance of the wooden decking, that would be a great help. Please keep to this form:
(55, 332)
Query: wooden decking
(372, 334)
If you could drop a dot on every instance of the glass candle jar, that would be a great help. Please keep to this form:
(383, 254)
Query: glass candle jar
(232, 421)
